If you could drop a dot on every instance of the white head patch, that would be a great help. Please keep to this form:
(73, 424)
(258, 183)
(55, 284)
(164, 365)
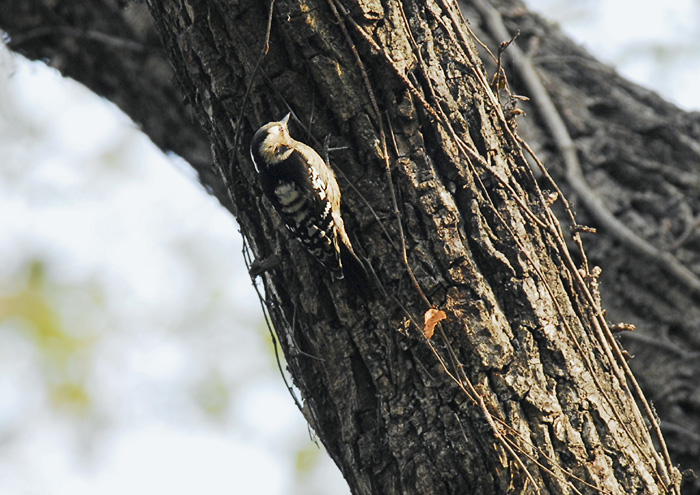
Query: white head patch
(276, 147)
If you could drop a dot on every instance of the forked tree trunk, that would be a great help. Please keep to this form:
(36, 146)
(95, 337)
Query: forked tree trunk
(522, 388)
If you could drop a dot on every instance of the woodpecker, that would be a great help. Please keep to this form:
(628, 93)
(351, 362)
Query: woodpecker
(304, 191)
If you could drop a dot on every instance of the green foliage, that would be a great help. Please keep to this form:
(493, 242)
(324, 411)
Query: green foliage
(62, 356)
(307, 458)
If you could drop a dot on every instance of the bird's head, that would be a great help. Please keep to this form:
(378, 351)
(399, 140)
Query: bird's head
(273, 142)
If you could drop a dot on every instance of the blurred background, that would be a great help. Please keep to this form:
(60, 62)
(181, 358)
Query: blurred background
(134, 357)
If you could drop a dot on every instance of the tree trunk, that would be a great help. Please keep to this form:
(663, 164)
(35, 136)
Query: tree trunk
(639, 156)
(522, 387)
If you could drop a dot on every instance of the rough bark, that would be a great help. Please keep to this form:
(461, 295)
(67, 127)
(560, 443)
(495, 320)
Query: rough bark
(640, 156)
(379, 399)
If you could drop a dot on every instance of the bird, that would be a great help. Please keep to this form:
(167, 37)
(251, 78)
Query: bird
(304, 191)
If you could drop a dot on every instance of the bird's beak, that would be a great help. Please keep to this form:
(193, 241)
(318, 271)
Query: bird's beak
(285, 120)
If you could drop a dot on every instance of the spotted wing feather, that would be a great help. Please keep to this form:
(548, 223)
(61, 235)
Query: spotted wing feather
(301, 196)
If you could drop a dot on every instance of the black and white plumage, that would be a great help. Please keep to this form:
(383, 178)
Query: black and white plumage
(304, 191)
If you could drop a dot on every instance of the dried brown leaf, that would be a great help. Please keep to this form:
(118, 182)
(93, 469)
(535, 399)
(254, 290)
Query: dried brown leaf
(431, 318)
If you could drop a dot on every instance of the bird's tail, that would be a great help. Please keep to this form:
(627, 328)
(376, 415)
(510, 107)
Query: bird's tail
(355, 271)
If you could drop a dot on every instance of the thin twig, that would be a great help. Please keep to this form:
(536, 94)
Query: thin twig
(265, 49)
(663, 344)
(684, 432)
(275, 345)
(85, 34)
